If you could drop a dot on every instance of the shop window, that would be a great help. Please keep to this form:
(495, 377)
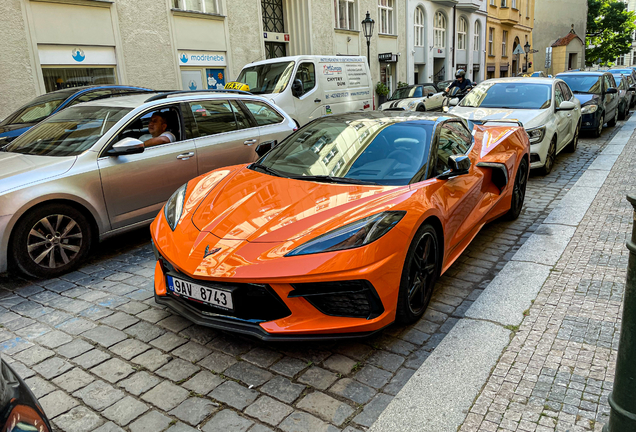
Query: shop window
(439, 27)
(263, 114)
(345, 14)
(213, 117)
(306, 73)
(461, 34)
(419, 27)
(60, 78)
(386, 16)
(476, 36)
(205, 6)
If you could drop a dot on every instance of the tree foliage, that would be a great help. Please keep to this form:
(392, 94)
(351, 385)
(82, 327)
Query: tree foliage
(609, 31)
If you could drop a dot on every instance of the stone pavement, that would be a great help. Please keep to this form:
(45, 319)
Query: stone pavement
(101, 355)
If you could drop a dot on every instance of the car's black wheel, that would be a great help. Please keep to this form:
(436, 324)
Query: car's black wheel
(421, 108)
(599, 130)
(571, 147)
(51, 240)
(612, 122)
(518, 191)
(623, 112)
(549, 158)
(420, 272)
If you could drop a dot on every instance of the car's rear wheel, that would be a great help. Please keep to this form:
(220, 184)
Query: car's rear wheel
(549, 158)
(420, 272)
(571, 147)
(623, 112)
(51, 240)
(518, 191)
(599, 130)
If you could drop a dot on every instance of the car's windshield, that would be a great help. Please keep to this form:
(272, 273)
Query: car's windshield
(583, 83)
(377, 150)
(267, 78)
(69, 132)
(407, 92)
(38, 109)
(515, 95)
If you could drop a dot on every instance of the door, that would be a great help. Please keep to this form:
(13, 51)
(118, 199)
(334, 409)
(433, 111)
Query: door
(561, 118)
(611, 100)
(136, 186)
(307, 105)
(272, 126)
(225, 135)
(434, 99)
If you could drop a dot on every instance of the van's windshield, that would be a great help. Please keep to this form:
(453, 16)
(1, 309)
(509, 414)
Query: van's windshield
(267, 78)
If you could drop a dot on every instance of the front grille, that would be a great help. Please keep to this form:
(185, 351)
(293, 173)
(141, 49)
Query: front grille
(252, 302)
(356, 299)
(534, 158)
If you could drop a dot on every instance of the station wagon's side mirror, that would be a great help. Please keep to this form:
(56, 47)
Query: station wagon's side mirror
(458, 164)
(611, 90)
(297, 88)
(566, 106)
(126, 146)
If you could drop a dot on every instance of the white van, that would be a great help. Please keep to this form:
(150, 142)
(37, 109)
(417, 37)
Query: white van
(308, 87)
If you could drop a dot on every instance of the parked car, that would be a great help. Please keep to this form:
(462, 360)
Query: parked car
(631, 83)
(339, 231)
(538, 74)
(320, 85)
(419, 97)
(598, 95)
(623, 70)
(625, 95)
(23, 119)
(443, 85)
(19, 408)
(84, 173)
(547, 108)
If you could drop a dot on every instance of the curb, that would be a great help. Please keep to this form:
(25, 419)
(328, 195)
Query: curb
(440, 393)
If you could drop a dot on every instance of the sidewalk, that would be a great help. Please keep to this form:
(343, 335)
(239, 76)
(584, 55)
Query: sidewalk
(537, 350)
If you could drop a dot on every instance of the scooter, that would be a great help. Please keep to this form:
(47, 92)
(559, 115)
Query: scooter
(453, 97)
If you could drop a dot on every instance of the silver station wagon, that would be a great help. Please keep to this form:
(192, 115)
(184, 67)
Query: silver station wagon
(93, 170)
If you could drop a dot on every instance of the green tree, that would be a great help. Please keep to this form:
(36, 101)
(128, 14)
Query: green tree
(609, 31)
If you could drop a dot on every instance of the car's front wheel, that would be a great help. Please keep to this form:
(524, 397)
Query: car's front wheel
(599, 130)
(51, 240)
(518, 191)
(572, 145)
(550, 157)
(421, 108)
(420, 272)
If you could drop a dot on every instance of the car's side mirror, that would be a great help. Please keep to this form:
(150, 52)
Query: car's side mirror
(632, 89)
(126, 146)
(611, 90)
(566, 106)
(297, 88)
(458, 164)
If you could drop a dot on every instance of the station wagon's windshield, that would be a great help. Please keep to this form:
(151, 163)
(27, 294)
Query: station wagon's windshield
(583, 83)
(513, 95)
(267, 78)
(69, 132)
(39, 108)
(351, 149)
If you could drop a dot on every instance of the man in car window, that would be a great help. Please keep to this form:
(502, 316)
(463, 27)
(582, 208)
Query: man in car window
(158, 133)
(461, 81)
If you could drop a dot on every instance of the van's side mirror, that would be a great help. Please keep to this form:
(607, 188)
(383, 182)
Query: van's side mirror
(458, 164)
(297, 88)
(127, 146)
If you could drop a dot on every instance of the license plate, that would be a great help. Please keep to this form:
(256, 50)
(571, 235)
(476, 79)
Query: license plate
(212, 296)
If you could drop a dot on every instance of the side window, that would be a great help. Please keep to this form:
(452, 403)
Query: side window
(89, 96)
(213, 117)
(138, 128)
(241, 117)
(454, 139)
(558, 96)
(429, 90)
(607, 83)
(263, 114)
(567, 94)
(307, 74)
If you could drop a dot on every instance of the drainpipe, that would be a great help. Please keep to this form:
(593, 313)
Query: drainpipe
(454, 40)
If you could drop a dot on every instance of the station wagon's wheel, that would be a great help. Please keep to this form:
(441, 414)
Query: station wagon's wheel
(599, 130)
(549, 158)
(571, 147)
(518, 191)
(420, 272)
(51, 240)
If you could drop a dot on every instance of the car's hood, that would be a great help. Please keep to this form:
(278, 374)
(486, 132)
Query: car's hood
(262, 208)
(18, 170)
(529, 118)
(399, 103)
(586, 97)
(13, 130)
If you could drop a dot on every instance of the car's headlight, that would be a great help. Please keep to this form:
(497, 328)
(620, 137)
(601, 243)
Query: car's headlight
(352, 235)
(589, 109)
(174, 207)
(536, 135)
(412, 104)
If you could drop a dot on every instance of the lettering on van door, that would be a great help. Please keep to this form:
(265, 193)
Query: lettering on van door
(356, 75)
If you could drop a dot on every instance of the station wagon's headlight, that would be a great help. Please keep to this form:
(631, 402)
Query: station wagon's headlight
(588, 109)
(174, 206)
(536, 135)
(353, 235)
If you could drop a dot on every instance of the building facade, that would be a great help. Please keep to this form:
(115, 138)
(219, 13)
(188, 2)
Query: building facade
(183, 44)
(443, 36)
(551, 24)
(629, 59)
(510, 24)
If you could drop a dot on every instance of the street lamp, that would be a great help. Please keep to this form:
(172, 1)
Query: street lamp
(526, 48)
(367, 28)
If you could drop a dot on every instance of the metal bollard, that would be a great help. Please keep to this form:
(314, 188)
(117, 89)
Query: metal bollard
(622, 400)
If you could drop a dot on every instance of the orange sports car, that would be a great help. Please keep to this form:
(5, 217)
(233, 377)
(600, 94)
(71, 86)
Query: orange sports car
(341, 229)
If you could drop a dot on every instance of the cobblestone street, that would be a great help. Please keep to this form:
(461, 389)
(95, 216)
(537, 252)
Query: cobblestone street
(102, 356)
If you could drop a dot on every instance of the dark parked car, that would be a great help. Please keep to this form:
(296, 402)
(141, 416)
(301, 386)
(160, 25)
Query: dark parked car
(626, 94)
(599, 98)
(20, 411)
(23, 119)
(623, 70)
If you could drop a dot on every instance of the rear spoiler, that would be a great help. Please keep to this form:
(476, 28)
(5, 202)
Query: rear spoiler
(508, 121)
